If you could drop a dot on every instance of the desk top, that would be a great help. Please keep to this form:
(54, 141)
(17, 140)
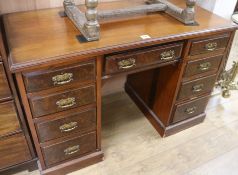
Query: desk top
(39, 37)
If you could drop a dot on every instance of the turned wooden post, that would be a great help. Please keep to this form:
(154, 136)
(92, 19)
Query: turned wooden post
(189, 12)
(91, 25)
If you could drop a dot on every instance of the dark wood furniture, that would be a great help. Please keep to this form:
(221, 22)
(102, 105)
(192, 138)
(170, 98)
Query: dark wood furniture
(15, 143)
(170, 76)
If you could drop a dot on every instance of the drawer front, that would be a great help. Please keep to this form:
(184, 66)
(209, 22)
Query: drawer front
(196, 87)
(190, 109)
(76, 122)
(69, 149)
(8, 118)
(5, 91)
(203, 65)
(60, 101)
(40, 80)
(144, 57)
(209, 45)
(13, 150)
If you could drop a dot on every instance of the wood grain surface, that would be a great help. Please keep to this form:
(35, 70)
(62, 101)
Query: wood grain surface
(51, 129)
(56, 36)
(50, 103)
(14, 150)
(196, 87)
(59, 152)
(5, 92)
(46, 79)
(9, 119)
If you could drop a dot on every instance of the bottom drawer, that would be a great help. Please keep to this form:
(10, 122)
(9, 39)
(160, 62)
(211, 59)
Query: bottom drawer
(69, 149)
(190, 109)
(13, 150)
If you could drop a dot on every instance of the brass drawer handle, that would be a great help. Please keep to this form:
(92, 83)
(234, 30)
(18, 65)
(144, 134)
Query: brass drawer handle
(68, 127)
(127, 63)
(167, 55)
(65, 103)
(62, 79)
(205, 66)
(190, 110)
(198, 88)
(72, 150)
(211, 46)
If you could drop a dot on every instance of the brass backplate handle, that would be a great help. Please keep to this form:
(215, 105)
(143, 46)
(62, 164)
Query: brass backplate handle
(72, 150)
(198, 88)
(204, 66)
(127, 63)
(191, 110)
(68, 127)
(167, 55)
(211, 46)
(62, 78)
(65, 103)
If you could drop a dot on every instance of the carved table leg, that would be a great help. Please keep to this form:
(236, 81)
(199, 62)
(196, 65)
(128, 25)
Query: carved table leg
(92, 25)
(189, 12)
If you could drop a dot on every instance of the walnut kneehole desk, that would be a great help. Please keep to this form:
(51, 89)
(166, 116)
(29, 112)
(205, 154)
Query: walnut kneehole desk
(169, 76)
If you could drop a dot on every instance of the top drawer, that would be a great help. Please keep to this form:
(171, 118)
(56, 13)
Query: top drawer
(209, 44)
(5, 91)
(141, 58)
(40, 80)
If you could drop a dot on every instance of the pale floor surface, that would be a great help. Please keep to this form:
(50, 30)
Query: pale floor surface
(133, 147)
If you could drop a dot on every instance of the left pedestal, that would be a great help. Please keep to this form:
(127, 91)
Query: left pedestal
(63, 108)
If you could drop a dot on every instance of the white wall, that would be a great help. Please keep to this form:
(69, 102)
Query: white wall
(207, 4)
(223, 8)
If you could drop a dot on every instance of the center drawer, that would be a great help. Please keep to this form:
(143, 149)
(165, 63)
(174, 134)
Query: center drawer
(73, 122)
(69, 149)
(141, 58)
(60, 101)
